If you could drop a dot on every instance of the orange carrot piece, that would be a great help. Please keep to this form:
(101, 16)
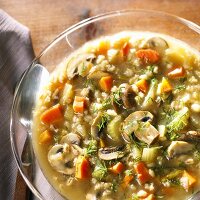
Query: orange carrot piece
(117, 168)
(143, 85)
(187, 180)
(45, 137)
(148, 55)
(126, 181)
(83, 169)
(125, 49)
(165, 86)
(142, 172)
(106, 83)
(79, 104)
(103, 47)
(52, 115)
(177, 72)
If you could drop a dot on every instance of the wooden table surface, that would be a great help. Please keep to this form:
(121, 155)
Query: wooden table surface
(47, 18)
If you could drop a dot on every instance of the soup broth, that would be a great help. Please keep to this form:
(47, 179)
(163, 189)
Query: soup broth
(120, 119)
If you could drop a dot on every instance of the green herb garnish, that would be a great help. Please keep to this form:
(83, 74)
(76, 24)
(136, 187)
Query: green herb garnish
(91, 148)
(129, 172)
(114, 186)
(106, 103)
(117, 96)
(104, 120)
(179, 88)
(83, 69)
(100, 170)
(134, 197)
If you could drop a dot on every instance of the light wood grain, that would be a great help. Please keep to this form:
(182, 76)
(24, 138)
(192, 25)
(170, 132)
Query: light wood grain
(47, 18)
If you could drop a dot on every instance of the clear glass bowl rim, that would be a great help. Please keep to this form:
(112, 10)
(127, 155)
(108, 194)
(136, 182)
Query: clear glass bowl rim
(191, 25)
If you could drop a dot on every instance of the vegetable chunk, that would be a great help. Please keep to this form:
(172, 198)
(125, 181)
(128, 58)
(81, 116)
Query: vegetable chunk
(83, 170)
(46, 137)
(106, 83)
(187, 180)
(52, 115)
(176, 73)
(79, 104)
(148, 55)
(142, 172)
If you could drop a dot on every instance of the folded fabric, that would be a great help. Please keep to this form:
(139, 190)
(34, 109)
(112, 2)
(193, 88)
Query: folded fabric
(16, 54)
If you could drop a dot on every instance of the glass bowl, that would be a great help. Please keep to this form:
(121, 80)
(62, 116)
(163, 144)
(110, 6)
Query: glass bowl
(70, 40)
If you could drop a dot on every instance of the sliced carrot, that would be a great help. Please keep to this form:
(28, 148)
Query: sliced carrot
(126, 181)
(45, 137)
(125, 49)
(117, 168)
(187, 180)
(79, 104)
(148, 55)
(176, 72)
(142, 172)
(103, 47)
(106, 83)
(52, 115)
(143, 85)
(83, 169)
(165, 85)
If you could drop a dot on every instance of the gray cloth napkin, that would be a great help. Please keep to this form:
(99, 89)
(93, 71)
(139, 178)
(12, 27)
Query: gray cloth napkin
(16, 54)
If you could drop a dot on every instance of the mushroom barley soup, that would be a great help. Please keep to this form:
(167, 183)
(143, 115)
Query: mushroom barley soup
(120, 120)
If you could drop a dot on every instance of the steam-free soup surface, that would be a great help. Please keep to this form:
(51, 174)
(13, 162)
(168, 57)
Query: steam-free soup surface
(119, 119)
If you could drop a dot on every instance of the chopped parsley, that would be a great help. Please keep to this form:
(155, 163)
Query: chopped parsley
(114, 186)
(134, 197)
(91, 148)
(106, 103)
(117, 96)
(104, 120)
(179, 88)
(129, 172)
(100, 170)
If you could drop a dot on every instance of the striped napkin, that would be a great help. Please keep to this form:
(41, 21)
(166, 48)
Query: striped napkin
(16, 54)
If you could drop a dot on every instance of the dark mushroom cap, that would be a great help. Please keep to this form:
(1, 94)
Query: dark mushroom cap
(128, 97)
(158, 44)
(111, 153)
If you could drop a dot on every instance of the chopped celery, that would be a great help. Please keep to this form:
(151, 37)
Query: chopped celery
(162, 130)
(179, 120)
(67, 95)
(149, 155)
(151, 95)
(137, 153)
(100, 170)
(113, 128)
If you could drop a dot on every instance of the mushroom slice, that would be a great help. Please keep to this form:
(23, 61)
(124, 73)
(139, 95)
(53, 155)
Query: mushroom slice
(95, 132)
(191, 136)
(75, 63)
(97, 74)
(157, 43)
(111, 153)
(179, 147)
(147, 133)
(71, 138)
(139, 123)
(128, 97)
(61, 158)
(131, 122)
